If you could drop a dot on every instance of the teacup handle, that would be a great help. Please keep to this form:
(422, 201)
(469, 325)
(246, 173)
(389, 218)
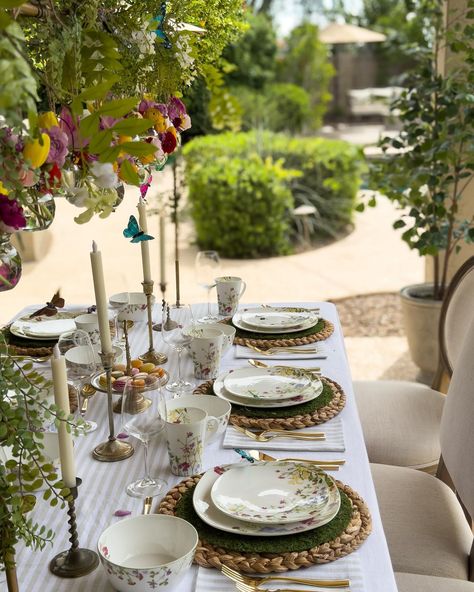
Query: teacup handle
(212, 427)
(244, 287)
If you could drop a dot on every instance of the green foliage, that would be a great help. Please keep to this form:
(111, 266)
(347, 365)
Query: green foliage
(18, 93)
(239, 205)
(306, 63)
(329, 171)
(434, 163)
(23, 411)
(253, 56)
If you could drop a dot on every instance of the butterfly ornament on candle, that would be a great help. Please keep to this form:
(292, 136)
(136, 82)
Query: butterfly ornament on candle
(51, 308)
(133, 231)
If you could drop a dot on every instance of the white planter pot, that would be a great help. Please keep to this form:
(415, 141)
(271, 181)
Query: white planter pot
(421, 319)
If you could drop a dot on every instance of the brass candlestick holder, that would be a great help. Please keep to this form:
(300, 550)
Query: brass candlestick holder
(112, 450)
(151, 355)
(75, 562)
(139, 401)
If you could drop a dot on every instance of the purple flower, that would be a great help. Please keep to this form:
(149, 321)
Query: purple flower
(145, 105)
(58, 149)
(69, 125)
(178, 115)
(11, 215)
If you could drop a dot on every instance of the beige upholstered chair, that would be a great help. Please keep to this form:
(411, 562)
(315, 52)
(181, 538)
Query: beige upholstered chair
(401, 419)
(424, 520)
(417, 583)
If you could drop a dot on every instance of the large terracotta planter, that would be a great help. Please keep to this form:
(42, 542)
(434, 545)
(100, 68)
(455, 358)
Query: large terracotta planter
(421, 319)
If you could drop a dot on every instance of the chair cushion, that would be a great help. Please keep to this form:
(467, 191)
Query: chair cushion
(426, 530)
(416, 583)
(400, 421)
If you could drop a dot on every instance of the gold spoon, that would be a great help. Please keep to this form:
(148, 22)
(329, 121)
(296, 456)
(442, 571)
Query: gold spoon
(87, 392)
(259, 364)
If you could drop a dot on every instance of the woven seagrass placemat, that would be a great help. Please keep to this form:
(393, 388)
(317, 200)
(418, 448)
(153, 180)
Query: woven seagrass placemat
(322, 330)
(323, 408)
(353, 522)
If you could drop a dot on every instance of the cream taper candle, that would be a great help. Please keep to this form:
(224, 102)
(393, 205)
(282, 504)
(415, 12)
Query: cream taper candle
(101, 299)
(144, 244)
(162, 250)
(61, 398)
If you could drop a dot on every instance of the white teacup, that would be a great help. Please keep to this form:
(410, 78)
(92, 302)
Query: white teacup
(131, 306)
(229, 334)
(214, 407)
(206, 351)
(90, 324)
(187, 429)
(230, 290)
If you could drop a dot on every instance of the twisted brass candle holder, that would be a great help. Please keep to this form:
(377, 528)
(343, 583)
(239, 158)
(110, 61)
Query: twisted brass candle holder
(75, 562)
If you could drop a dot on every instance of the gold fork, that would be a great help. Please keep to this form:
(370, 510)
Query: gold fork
(260, 364)
(279, 350)
(250, 584)
(327, 465)
(261, 436)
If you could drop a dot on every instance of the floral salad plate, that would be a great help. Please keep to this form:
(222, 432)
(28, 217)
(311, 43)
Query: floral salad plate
(44, 328)
(275, 492)
(274, 384)
(210, 514)
(274, 320)
(277, 318)
(313, 390)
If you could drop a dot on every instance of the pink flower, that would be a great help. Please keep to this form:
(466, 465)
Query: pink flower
(11, 215)
(58, 149)
(169, 141)
(69, 125)
(178, 115)
(27, 177)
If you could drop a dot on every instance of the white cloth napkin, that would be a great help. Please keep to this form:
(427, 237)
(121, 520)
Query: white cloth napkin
(211, 580)
(334, 441)
(322, 353)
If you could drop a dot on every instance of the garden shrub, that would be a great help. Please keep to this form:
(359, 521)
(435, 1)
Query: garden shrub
(329, 171)
(240, 206)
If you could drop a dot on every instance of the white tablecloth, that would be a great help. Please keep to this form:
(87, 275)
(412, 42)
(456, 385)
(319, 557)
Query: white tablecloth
(103, 488)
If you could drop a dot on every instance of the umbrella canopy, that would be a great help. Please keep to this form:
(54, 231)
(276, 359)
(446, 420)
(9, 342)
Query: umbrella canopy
(343, 33)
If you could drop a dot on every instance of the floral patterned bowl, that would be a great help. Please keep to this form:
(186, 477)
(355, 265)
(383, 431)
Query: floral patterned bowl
(146, 553)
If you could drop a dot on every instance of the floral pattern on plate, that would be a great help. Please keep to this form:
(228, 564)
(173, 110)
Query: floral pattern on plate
(272, 492)
(278, 383)
(238, 320)
(210, 514)
(313, 391)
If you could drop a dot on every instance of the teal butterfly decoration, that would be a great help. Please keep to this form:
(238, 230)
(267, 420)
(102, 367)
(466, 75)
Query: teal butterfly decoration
(159, 31)
(133, 231)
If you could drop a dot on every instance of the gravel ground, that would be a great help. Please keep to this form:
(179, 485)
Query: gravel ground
(371, 315)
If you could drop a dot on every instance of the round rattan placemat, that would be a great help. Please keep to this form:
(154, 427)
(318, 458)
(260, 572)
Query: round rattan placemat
(207, 555)
(297, 421)
(322, 330)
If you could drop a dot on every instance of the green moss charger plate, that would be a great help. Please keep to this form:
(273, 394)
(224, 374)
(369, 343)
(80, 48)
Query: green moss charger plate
(258, 544)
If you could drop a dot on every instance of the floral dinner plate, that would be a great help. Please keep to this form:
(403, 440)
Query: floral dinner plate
(274, 384)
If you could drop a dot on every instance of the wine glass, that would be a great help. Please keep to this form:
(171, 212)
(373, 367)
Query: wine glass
(81, 364)
(141, 418)
(207, 267)
(117, 307)
(176, 321)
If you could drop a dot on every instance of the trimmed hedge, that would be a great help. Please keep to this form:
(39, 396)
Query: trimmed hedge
(240, 206)
(328, 177)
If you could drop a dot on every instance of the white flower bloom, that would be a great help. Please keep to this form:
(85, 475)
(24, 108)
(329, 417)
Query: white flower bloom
(145, 40)
(105, 176)
(184, 53)
(81, 194)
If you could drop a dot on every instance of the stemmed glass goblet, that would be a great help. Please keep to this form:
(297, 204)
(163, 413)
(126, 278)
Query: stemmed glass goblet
(207, 267)
(141, 418)
(175, 324)
(81, 363)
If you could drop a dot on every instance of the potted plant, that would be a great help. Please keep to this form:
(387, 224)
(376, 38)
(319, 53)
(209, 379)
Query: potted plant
(426, 170)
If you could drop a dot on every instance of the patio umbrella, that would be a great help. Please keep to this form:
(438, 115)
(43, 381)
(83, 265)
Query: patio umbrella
(336, 33)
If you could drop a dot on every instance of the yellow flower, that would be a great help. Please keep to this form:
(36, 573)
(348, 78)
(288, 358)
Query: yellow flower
(35, 152)
(48, 120)
(157, 118)
(123, 139)
(3, 191)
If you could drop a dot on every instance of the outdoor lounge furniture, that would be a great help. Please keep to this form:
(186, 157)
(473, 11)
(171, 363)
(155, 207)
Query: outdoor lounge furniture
(424, 519)
(401, 419)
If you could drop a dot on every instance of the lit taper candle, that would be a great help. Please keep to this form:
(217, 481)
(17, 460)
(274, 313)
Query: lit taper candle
(101, 299)
(61, 398)
(144, 244)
